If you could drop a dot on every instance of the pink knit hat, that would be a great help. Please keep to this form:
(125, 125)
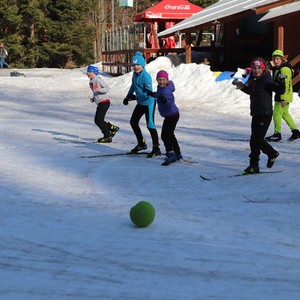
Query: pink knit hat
(162, 74)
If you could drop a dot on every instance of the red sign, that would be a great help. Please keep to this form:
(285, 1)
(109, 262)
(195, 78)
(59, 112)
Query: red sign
(168, 10)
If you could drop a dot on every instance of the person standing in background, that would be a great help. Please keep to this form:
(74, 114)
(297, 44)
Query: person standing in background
(282, 102)
(3, 56)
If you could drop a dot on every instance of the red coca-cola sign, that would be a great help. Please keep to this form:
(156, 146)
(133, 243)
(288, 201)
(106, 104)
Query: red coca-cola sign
(178, 7)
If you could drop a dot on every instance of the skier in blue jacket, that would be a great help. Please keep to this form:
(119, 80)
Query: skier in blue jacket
(141, 82)
(168, 110)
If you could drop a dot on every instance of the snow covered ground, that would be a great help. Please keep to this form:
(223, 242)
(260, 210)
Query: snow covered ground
(65, 226)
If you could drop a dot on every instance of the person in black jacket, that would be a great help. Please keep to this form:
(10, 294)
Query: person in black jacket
(260, 86)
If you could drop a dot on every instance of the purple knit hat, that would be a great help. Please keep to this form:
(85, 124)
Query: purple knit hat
(163, 74)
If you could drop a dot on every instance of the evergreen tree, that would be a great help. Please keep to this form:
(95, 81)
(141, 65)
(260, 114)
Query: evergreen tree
(10, 21)
(203, 3)
(45, 33)
(71, 34)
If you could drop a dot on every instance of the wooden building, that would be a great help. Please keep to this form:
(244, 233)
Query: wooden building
(250, 28)
(243, 29)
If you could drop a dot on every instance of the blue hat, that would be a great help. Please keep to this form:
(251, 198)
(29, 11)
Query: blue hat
(138, 59)
(93, 69)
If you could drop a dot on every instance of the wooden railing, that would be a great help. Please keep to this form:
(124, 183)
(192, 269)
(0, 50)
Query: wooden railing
(293, 63)
(118, 62)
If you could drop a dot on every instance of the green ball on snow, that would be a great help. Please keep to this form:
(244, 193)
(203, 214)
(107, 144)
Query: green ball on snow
(142, 214)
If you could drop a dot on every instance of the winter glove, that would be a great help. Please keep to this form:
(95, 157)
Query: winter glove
(239, 85)
(281, 77)
(149, 93)
(126, 100)
(92, 100)
(235, 81)
(129, 98)
(162, 99)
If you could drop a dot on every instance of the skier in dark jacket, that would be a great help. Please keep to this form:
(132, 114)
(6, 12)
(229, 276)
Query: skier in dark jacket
(260, 86)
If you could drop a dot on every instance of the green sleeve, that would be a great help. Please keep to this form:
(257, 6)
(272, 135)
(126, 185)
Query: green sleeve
(288, 95)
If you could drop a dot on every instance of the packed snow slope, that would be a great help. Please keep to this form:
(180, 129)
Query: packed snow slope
(65, 226)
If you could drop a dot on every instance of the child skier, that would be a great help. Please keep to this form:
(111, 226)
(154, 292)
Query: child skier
(141, 82)
(260, 86)
(282, 102)
(168, 110)
(100, 89)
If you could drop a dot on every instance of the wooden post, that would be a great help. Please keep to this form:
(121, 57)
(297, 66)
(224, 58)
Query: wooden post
(280, 32)
(188, 48)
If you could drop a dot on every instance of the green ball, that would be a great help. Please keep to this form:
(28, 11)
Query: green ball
(142, 214)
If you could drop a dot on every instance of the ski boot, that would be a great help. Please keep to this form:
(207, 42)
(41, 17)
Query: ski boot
(251, 170)
(295, 135)
(276, 137)
(113, 129)
(103, 140)
(155, 152)
(271, 160)
(178, 156)
(170, 158)
(139, 147)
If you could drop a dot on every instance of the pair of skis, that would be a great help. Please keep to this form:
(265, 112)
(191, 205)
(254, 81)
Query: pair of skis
(183, 160)
(113, 154)
(238, 175)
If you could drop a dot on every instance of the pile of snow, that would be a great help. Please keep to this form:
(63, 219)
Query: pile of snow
(195, 86)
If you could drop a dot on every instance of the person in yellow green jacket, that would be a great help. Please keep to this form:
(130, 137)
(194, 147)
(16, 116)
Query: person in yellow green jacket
(282, 102)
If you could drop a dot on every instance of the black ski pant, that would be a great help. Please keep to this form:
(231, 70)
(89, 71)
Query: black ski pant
(101, 111)
(259, 128)
(137, 114)
(168, 136)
